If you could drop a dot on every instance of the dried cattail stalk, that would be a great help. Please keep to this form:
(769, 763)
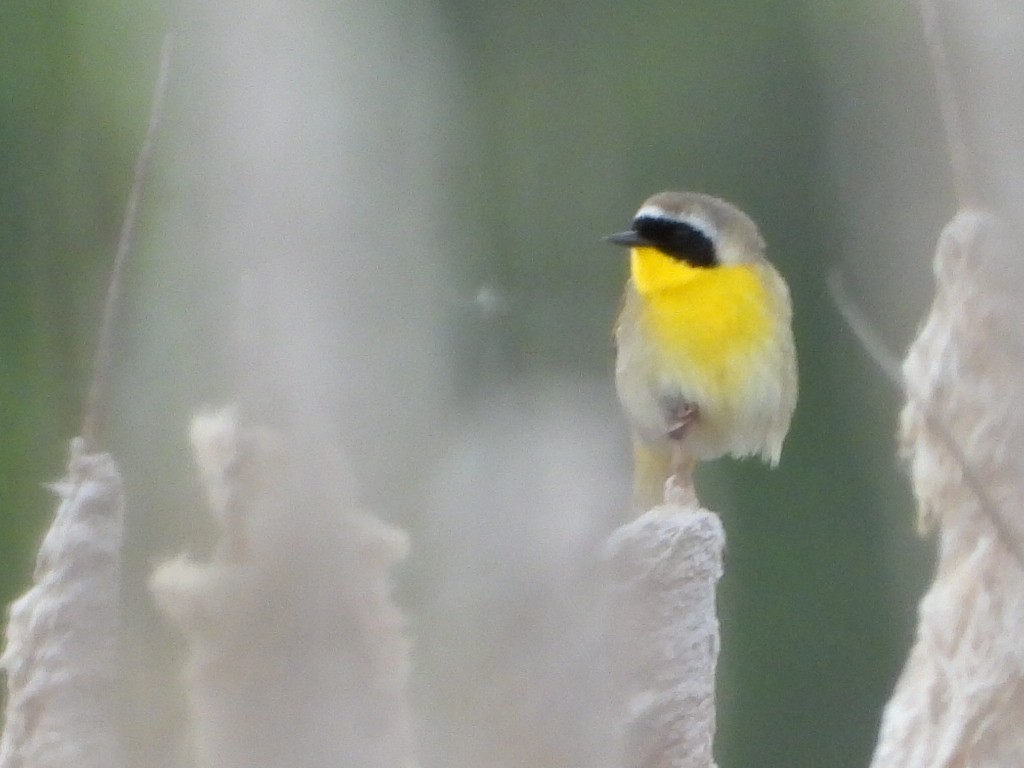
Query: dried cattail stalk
(960, 699)
(295, 649)
(62, 651)
(664, 569)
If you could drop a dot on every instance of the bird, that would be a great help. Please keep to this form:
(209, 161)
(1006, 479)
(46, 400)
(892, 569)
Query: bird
(705, 361)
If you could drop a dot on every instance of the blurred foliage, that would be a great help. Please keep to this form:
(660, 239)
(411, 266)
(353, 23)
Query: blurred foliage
(793, 109)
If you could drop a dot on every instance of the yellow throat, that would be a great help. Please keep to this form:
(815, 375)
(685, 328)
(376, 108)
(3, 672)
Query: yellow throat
(703, 320)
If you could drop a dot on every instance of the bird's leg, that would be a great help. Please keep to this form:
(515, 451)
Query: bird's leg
(679, 487)
(680, 416)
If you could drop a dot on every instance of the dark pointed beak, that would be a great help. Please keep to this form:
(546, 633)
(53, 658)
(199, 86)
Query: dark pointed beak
(629, 238)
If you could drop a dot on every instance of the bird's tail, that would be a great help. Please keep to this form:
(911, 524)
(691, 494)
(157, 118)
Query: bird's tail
(652, 467)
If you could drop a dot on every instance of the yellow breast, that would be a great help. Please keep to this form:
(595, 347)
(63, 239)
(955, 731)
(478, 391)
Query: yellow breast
(705, 323)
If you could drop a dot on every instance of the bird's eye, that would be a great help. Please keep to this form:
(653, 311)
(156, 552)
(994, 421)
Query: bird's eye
(677, 239)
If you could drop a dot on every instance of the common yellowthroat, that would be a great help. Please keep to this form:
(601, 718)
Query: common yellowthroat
(705, 364)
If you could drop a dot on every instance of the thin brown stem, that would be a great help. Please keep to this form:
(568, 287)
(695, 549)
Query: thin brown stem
(862, 329)
(956, 144)
(101, 363)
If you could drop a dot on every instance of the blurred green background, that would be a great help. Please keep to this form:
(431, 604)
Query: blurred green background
(816, 117)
